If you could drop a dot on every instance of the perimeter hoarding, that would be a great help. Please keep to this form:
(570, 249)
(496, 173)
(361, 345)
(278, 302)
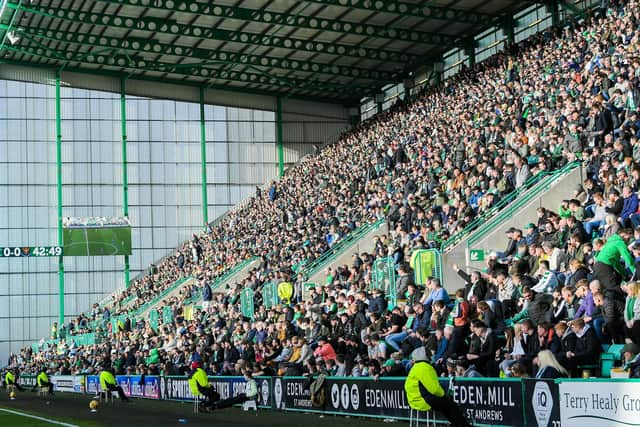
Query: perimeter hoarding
(611, 403)
(132, 385)
(482, 401)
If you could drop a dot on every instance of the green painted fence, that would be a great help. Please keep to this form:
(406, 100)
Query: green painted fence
(340, 247)
(505, 208)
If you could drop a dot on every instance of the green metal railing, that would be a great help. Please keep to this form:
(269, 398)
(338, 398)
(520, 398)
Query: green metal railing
(515, 205)
(426, 263)
(79, 340)
(338, 249)
(219, 281)
(162, 295)
(532, 188)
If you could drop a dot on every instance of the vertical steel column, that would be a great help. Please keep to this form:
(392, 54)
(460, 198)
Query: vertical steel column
(508, 26)
(279, 136)
(470, 50)
(203, 157)
(59, 188)
(125, 179)
(553, 8)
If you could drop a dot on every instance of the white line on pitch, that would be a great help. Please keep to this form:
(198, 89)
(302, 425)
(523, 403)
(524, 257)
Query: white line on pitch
(22, 414)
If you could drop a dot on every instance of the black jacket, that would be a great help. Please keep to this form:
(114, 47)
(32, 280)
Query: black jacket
(531, 348)
(479, 290)
(539, 307)
(587, 349)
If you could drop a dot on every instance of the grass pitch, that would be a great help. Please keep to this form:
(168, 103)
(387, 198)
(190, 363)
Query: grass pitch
(68, 409)
(97, 241)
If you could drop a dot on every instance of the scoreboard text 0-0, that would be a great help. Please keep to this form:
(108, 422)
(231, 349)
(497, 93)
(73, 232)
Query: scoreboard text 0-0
(31, 251)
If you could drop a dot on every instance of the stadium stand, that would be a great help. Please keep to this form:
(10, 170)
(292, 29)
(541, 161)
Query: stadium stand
(428, 167)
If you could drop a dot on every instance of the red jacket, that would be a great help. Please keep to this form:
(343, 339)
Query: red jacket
(462, 314)
(325, 351)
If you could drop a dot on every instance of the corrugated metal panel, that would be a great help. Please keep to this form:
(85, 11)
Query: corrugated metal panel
(90, 81)
(319, 110)
(239, 99)
(294, 152)
(27, 74)
(312, 132)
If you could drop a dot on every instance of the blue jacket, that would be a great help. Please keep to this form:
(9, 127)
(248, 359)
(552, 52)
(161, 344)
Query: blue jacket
(441, 350)
(439, 294)
(378, 305)
(630, 206)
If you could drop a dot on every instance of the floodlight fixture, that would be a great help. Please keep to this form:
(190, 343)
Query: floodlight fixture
(13, 38)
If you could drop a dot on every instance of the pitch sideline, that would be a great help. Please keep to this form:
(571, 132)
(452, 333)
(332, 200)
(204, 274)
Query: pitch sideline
(48, 420)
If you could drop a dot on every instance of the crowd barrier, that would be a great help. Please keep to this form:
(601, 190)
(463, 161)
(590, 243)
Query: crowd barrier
(484, 401)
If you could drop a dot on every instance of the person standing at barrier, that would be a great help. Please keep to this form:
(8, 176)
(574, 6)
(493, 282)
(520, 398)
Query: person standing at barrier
(424, 392)
(109, 384)
(199, 385)
(42, 381)
(609, 271)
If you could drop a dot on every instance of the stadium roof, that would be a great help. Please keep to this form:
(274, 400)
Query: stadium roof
(338, 50)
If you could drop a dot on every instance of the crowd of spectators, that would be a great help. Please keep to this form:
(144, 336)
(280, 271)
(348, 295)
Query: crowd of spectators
(429, 166)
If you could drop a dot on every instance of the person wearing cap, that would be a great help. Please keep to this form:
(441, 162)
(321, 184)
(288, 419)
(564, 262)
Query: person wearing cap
(531, 234)
(108, 382)
(631, 359)
(393, 367)
(424, 392)
(199, 385)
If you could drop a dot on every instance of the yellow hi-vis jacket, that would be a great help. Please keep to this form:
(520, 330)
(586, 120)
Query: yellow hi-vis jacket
(9, 378)
(199, 377)
(285, 292)
(422, 375)
(106, 377)
(42, 378)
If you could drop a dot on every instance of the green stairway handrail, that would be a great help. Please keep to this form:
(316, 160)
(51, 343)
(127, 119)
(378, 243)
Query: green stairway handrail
(220, 280)
(161, 295)
(518, 203)
(536, 183)
(336, 250)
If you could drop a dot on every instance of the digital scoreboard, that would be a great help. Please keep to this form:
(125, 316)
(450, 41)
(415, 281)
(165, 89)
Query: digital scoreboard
(30, 251)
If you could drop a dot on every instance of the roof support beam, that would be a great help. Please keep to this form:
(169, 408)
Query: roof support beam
(298, 21)
(413, 10)
(113, 58)
(172, 27)
(156, 47)
(347, 99)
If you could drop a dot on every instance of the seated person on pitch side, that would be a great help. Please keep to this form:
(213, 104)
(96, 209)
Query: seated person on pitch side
(199, 385)
(108, 382)
(42, 380)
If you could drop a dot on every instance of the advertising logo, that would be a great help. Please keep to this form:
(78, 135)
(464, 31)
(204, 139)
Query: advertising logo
(344, 396)
(355, 397)
(265, 392)
(542, 402)
(335, 396)
(277, 390)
